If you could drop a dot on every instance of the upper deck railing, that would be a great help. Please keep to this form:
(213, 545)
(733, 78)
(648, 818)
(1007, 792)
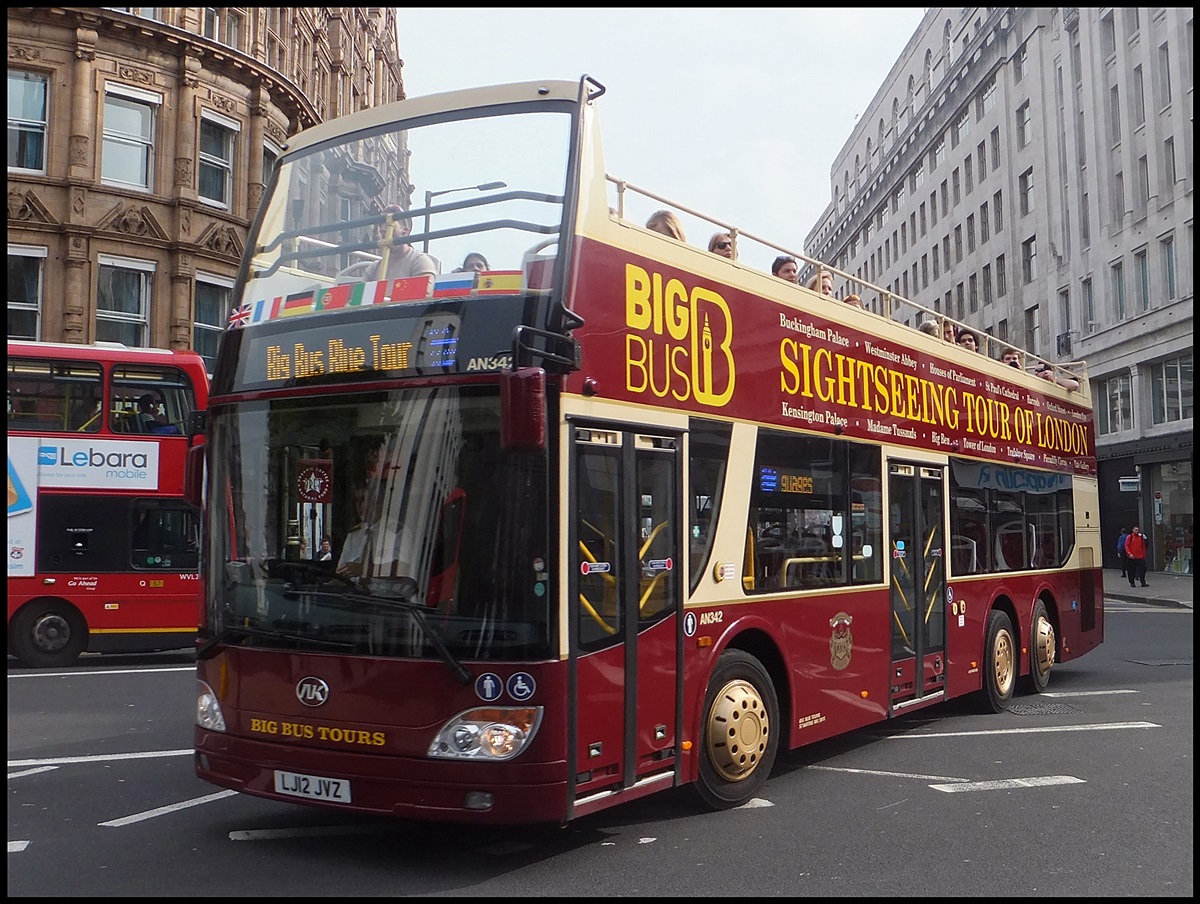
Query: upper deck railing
(1071, 375)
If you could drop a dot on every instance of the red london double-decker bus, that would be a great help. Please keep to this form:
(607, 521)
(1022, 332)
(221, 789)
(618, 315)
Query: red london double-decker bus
(614, 514)
(103, 548)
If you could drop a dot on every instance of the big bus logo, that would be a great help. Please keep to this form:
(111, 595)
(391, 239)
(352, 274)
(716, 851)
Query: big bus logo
(683, 347)
(312, 691)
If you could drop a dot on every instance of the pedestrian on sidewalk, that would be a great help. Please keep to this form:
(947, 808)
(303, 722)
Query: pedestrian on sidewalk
(1122, 559)
(1135, 549)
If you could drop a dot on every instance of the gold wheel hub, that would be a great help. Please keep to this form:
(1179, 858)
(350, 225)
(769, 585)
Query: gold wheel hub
(1043, 646)
(738, 729)
(1004, 659)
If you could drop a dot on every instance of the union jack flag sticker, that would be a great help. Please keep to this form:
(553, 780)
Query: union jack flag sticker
(239, 316)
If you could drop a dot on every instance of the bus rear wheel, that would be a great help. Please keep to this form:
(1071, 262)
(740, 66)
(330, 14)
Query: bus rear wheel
(1041, 651)
(999, 663)
(740, 736)
(48, 633)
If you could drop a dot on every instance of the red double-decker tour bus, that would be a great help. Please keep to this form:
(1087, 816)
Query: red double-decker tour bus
(103, 548)
(611, 515)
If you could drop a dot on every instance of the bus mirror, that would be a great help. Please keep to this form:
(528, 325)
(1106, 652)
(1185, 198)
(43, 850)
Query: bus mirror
(523, 409)
(195, 423)
(193, 476)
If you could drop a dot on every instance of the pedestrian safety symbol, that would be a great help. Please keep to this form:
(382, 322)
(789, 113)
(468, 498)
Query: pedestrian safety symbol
(488, 687)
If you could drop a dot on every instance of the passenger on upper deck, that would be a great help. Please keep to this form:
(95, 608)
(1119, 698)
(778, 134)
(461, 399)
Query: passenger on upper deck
(403, 260)
(667, 223)
(721, 243)
(826, 283)
(473, 261)
(785, 267)
(854, 301)
(948, 331)
(1046, 372)
(929, 327)
(967, 340)
(1011, 357)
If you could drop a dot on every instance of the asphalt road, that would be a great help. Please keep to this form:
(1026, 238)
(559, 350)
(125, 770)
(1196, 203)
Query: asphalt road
(1086, 790)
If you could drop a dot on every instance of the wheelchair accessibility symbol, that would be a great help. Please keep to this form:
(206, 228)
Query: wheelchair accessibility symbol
(521, 686)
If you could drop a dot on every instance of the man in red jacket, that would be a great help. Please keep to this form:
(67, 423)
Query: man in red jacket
(1135, 550)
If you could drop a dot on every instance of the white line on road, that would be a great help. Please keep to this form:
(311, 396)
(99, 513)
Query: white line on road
(1099, 726)
(163, 811)
(308, 832)
(1005, 784)
(100, 758)
(32, 771)
(15, 847)
(1086, 693)
(89, 672)
(917, 775)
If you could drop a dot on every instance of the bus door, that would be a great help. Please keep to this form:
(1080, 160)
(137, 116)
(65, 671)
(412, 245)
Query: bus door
(625, 597)
(917, 534)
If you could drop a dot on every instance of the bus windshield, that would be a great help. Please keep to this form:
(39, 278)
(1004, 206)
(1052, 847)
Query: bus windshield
(477, 193)
(338, 505)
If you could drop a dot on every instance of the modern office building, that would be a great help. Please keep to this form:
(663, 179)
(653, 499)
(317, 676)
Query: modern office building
(139, 142)
(1029, 172)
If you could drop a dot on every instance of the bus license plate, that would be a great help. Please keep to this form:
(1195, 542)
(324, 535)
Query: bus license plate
(312, 787)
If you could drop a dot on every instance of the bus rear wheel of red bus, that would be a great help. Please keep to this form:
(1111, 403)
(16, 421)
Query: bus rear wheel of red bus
(48, 633)
(1000, 663)
(740, 732)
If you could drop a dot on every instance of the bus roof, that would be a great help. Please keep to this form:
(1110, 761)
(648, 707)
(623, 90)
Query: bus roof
(109, 352)
(490, 95)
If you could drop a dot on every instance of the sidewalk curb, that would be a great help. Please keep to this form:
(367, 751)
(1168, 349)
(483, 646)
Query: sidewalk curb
(1149, 601)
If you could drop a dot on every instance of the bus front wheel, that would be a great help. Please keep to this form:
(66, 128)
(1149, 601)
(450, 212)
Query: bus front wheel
(740, 732)
(999, 663)
(48, 633)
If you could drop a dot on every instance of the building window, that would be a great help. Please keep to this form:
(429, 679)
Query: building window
(1024, 127)
(996, 148)
(1139, 97)
(960, 302)
(925, 271)
(1168, 175)
(1064, 308)
(1025, 191)
(945, 199)
(939, 154)
(919, 177)
(26, 121)
(987, 99)
(987, 284)
(1114, 405)
(211, 18)
(1029, 259)
(1085, 220)
(1118, 199)
(971, 233)
(26, 266)
(936, 263)
(123, 291)
(998, 210)
(1117, 280)
(1089, 305)
(1164, 76)
(955, 183)
(981, 160)
(128, 149)
(1114, 113)
(1143, 182)
(973, 292)
(1108, 36)
(233, 30)
(1141, 264)
(958, 245)
(985, 225)
(967, 168)
(1020, 60)
(1001, 278)
(215, 183)
(923, 218)
(1166, 253)
(1171, 381)
(1033, 329)
(961, 129)
(213, 301)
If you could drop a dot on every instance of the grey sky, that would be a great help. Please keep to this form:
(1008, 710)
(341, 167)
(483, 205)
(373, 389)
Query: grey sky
(738, 114)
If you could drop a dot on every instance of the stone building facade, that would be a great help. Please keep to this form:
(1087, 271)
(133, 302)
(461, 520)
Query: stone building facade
(139, 142)
(1029, 172)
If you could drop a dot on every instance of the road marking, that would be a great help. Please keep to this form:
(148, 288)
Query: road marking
(163, 811)
(1006, 784)
(1099, 726)
(916, 775)
(145, 671)
(1086, 693)
(15, 847)
(100, 758)
(308, 832)
(32, 771)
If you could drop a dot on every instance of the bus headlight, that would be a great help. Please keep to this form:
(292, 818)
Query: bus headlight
(208, 710)
(487, 733)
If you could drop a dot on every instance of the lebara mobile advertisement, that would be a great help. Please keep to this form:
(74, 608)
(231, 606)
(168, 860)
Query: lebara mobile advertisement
(22, 505)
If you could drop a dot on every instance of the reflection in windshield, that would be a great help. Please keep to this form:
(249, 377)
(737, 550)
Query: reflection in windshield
(344, 514)
(451, 196)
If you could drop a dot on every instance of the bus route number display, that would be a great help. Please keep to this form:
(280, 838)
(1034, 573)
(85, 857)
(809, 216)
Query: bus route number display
(776, 480)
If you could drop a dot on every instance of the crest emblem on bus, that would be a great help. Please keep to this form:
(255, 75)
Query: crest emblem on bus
(841, 641)
(312, 691)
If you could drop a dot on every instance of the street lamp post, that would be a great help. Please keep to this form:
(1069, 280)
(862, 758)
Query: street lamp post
(430, 195)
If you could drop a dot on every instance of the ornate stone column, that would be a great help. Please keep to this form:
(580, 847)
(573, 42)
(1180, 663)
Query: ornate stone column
(260, 104)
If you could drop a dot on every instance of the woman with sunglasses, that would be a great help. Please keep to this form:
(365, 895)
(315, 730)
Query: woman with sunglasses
(721, 243)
